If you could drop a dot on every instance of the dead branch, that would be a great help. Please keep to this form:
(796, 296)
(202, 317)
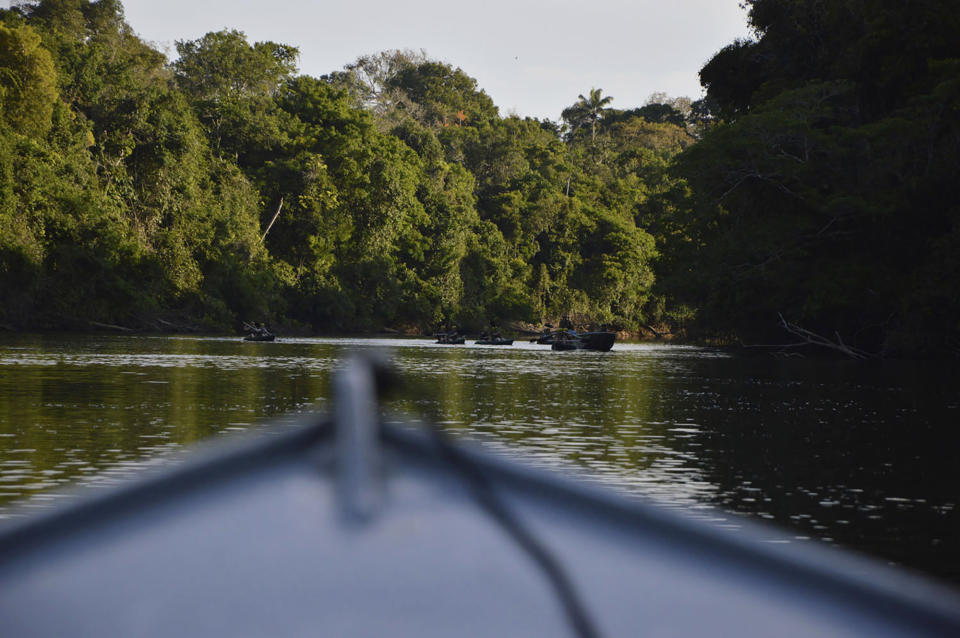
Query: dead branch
(813, 338)
(270, 225)
(110, 326)
(656, 334)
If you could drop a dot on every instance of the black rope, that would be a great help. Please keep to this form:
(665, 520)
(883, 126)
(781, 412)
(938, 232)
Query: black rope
(388, 382)
(486, 496)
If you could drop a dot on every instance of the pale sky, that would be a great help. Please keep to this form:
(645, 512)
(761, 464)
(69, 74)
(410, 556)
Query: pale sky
(532, 57)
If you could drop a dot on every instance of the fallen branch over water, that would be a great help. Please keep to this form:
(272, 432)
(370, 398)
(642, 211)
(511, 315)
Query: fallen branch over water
(110, 326)
(812, 338)
(658, 335)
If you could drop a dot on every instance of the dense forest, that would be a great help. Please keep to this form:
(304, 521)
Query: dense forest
(812, 190)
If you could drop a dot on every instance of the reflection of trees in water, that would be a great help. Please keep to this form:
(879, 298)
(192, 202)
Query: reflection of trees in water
(840, 451)
(70, 411)
(831, 449)
(583, 410)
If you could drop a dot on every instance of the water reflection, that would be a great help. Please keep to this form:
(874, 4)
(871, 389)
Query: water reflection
(831, 449)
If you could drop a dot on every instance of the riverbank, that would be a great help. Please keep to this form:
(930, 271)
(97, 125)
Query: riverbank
(900, 346)
(173, 326)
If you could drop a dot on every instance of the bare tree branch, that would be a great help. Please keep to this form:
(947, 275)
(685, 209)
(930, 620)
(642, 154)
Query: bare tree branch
(813, 338)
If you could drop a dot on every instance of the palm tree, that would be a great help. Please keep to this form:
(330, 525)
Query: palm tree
(587, 109)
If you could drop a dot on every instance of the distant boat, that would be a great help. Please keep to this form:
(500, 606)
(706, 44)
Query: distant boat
(599, 341)
(493, 341)
(257, 332)
(260, 337)
(451, 338)
(566, 344)
(546, 338)
(362, 525)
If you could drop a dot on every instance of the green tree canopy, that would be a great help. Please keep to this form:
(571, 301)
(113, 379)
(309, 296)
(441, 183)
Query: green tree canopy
(28, 90)
(587, 112)
(828, 195)
(446, 96)
(232, 85)
(225, 186)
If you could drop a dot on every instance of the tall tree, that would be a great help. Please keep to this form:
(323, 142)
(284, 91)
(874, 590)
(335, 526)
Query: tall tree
(446, 95)
(232, 85)
(28, 89)
(827, 196)
(369, 78)
(588, 110)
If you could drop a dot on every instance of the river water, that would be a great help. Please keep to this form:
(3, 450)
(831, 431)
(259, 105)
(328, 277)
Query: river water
(859, 455)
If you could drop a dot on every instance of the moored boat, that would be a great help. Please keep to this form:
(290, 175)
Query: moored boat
(354, 524)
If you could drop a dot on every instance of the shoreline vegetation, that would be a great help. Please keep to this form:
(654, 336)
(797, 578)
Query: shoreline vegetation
(808, 202)
(159, 327)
